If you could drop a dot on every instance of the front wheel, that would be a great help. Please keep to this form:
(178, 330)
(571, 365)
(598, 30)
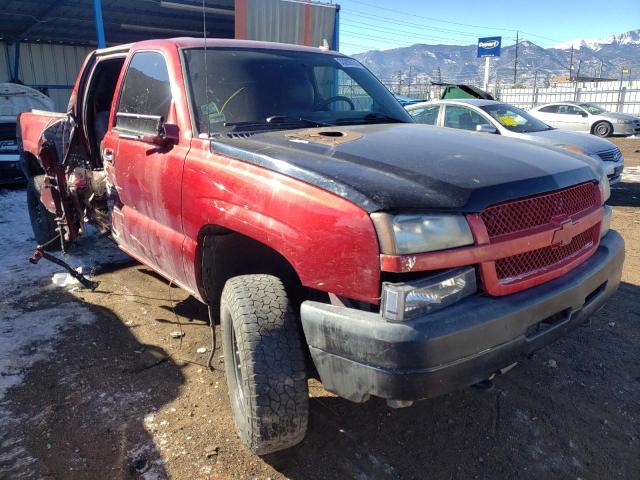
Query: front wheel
(264, 363)
(602, 129)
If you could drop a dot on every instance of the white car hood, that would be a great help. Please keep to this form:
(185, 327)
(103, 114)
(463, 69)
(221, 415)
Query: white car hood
(589, 143)
(15, 99)
(618, 116)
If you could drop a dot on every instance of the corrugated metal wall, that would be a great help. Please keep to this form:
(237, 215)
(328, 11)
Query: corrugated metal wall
(287, 21)
(43, 64)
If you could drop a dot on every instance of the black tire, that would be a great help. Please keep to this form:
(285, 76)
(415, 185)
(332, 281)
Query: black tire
(43, 222)
(602, 129)
(264, 363)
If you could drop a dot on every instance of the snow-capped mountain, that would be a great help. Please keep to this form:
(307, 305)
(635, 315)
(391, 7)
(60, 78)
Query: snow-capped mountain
(458, 63)
(627, 38)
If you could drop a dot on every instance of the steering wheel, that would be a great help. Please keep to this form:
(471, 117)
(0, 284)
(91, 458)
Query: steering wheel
(323, 104)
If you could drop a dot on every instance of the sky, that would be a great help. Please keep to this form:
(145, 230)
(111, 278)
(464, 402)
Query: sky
(383, 24)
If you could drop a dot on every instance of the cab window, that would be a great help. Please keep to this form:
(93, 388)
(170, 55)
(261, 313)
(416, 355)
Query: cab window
(569, 110)
(427, 115)
(549, 109)
(463, 118)
(146, 94)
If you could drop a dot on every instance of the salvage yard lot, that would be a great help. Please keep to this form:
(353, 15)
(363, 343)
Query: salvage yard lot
(94, 385)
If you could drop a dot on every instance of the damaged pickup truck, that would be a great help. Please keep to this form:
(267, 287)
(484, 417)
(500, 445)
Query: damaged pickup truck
(287, 188)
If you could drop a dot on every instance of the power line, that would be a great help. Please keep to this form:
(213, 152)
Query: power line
(376, 28)
(371, 16)
(376, 37)
(433, 19)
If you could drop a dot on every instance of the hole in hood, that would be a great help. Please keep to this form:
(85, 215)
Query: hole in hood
(331, 133)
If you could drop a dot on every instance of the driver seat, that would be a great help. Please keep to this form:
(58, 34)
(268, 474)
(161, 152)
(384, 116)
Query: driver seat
(465, 121)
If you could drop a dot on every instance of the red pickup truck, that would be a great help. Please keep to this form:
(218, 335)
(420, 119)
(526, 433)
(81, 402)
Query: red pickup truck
(288, 189)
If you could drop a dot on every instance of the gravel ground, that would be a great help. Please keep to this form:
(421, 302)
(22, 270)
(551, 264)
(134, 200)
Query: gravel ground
(103, 390)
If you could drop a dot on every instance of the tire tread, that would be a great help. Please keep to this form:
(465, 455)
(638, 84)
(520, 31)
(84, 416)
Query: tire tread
(270, 347)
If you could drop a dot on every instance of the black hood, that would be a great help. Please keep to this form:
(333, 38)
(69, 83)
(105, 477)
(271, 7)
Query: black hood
(411, 167)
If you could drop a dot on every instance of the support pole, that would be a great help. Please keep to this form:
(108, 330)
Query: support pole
(620, 96)
(16, 62)
(97, 13)
(486, 73)
(515, 63)
(571, 65)
(336, 30)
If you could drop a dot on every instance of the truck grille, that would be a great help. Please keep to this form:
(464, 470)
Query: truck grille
(517, 267)
(516, 222)
(611, 155)
(533, 212)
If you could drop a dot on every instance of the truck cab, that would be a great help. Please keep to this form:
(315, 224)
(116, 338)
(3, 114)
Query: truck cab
(287, 189)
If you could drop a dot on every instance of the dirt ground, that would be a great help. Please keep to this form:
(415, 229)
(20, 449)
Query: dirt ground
(119, 397)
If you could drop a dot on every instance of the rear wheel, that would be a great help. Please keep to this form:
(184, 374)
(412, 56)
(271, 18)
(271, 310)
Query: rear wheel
(43, 222)
(264, 363)
(602, 129)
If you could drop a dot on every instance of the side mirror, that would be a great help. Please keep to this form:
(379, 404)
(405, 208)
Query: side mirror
(584, 114)
(160, 133)
(486, 128)
(170, 133)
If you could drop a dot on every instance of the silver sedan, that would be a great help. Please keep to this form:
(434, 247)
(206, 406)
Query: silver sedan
(490, 116)
(587, 117)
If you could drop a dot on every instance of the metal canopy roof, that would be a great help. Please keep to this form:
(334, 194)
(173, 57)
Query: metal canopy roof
(73, 21)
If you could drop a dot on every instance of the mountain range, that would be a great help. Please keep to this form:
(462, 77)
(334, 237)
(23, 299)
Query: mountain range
(458, 63)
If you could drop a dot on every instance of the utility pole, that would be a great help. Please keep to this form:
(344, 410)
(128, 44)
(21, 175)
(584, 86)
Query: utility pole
(575, 92)
(571, 65)
(601, 65)
(620, 98)
(535, 89)
(515, 63)
(399, 82)
(409, 83)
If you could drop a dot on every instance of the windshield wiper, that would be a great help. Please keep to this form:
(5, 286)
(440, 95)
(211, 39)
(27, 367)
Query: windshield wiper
(370, 118)
(381, 116)
(277, 121)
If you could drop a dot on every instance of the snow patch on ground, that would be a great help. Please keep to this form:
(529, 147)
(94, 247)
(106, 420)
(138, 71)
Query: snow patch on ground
(630, 175)
(26, 338)
(29, 332)
(18, 244)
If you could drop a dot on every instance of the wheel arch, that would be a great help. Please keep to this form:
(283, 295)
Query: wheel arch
(223, 253)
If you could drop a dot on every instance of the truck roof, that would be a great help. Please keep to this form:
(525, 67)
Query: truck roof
(196, 42)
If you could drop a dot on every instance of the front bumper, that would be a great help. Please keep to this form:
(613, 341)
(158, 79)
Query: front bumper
(626, 129)
(358, 354)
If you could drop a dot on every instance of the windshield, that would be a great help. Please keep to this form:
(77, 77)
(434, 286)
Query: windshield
(262, 89)
(514, 119)
(592, 108)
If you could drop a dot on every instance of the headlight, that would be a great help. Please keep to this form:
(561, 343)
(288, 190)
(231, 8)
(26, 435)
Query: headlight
(573, 148)
(605, 188)
(403, 234)
(402, 301)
